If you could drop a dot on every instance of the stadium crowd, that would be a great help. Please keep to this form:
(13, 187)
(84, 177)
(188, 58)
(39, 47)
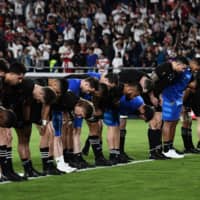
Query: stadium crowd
(103, 33)
(108, 35)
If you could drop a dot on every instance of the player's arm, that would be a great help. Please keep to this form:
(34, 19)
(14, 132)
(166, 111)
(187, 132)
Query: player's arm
(45, 112)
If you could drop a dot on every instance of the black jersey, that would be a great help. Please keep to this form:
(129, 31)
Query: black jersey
(166, 76)
(131, 75)
(65, 102)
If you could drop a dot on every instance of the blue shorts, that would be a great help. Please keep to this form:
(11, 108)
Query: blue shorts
(57, 118)
(78, 122)
(111, 118)
(171, 110)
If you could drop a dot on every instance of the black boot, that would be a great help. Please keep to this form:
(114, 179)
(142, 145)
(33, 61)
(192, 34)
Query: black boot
(7, 174)
(49, 168)
(9, 164)
(6, 171)
(114, 157)
(29, 171)
(79, 162)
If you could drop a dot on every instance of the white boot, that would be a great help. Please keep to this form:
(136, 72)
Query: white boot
(62, 166)
(173, 154)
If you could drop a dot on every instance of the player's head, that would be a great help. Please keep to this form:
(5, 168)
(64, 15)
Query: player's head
(84, 109)
(7, 118)
(99, 97)
(131, 90)
(15, 74)
(44, 95)
(110, 79)
(89, 85)
(195, 64)
(147, 113)
(179, 64)
(59, 86)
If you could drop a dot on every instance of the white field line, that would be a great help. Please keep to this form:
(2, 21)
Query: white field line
(89, 169)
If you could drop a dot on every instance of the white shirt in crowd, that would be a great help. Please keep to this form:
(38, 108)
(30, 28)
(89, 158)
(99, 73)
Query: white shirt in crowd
(100, 17)
(16, 48)
(103, 65)
(39, 7)
(117, 62)
(31, 51)
(45, 51)
(18, 6)
(82, 36)
(69, 33)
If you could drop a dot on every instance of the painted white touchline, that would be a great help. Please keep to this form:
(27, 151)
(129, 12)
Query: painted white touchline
(87, 169)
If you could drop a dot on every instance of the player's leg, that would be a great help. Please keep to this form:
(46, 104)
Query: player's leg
(123, 133)
(24, 135)
(57, 118)
(95, 142)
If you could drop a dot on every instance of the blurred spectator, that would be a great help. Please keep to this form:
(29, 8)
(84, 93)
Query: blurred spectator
(100, 17)
(66, 54)
(91, 59)
(117, 63)
(103, 64)
(69, 32)
(45, 49)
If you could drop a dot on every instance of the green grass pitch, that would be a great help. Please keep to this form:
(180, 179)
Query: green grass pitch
(156, 180)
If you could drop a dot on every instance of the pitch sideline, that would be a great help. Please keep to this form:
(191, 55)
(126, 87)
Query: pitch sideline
(88, 169)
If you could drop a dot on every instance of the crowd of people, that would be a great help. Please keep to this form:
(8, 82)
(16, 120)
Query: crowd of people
(100, 38)
(46, 34)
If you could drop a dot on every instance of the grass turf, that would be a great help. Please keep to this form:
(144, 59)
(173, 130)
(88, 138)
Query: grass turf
(157, 180)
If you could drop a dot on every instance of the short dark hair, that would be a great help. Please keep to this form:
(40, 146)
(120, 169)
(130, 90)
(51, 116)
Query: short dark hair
(94, 83)
(99, 97)
(3, 65)
(17, 68)
(112, 78)
(63, 85)
(49, 95)
(135, 84)
(196, 60)
(182, 60)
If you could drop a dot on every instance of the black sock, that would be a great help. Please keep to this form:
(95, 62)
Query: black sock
(26, 164)
(96, 146)
(167, 146)
(184, 134)
(171, 144)
(44, 156)
(3, 154)
(86, 147)
(68, 155)
(155, 141)
(198, 145)
(122, 140)
(9, 159)
(50, 161)
(190, 143)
